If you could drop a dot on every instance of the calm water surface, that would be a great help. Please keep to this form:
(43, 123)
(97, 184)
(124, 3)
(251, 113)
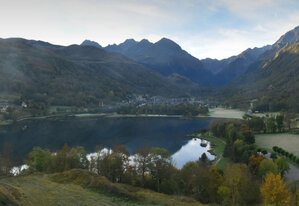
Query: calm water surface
(169, 133)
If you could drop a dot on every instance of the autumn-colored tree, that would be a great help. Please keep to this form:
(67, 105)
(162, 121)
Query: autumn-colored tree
(254, 163)
(233, 179)
(295, 201)
(243, 188)
(274, 191)
(215, 181)
(247, 133)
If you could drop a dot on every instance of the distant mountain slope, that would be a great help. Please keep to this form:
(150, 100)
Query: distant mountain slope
(76, 75)
(238, 65)
(214, 65)
(275, 83)
(229, 69)
(165, 57)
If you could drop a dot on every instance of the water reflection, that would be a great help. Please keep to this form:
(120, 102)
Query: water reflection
(191, 151)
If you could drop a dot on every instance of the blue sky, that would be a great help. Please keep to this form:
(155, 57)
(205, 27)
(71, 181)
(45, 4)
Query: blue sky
(204, 28)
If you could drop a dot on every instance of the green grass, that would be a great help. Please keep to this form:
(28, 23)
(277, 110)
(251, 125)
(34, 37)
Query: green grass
(223, 163)
(226, 113)
(289, 142)
(80, 187)
(217, 144)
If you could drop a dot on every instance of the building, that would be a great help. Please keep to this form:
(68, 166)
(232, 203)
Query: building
(3, 107)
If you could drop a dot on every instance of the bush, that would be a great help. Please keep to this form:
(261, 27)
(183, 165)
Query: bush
(264, 152)
(275, 148)
(273, 155)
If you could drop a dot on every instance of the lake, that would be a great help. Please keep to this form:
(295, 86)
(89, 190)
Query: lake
(169, 133)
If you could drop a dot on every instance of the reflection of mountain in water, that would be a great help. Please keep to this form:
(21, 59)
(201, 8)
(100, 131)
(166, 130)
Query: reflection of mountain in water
(169, 133)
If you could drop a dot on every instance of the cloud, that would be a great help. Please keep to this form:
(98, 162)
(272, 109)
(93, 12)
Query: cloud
(214, 28)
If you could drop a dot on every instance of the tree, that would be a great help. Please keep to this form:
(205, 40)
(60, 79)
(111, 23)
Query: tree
(196, 180)
(61, 162)
(204, 159)
(270, 124)
(274, 191)
(257, 124)
(215, 181)
(254, 163)
(267, 166)
(160, 166)
(247, 133)
(279, 122)
(243, 190)
(6, 159)
(142, 159)
(282, 165)
(39, 160)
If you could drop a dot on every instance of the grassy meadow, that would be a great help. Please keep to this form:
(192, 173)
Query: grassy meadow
(289, 142)
(226, 113)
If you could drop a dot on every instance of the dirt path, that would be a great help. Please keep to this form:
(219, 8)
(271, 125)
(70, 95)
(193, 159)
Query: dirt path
(216, 162)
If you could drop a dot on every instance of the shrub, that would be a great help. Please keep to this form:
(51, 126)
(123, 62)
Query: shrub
(264, 152)
(275, 148)
(273, 155)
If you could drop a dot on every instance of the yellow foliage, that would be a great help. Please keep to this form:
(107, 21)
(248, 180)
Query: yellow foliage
(274, 191)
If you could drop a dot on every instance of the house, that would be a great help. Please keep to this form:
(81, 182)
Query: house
(24, 105)
(3, 106)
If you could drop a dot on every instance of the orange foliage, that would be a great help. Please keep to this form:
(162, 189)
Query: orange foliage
(254, 163)
(274, 191)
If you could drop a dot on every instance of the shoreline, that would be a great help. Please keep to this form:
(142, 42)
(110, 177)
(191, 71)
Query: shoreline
(220, 113)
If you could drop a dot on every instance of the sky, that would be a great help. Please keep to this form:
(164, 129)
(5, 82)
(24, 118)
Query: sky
(204, 28)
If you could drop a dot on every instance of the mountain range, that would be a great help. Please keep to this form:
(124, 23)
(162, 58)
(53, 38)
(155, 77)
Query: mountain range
(167, 58)
(89, 73)
(78, 75)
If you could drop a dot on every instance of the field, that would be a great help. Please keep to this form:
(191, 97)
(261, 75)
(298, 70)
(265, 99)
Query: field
(78, 187)
(226, 113)
(289, 142)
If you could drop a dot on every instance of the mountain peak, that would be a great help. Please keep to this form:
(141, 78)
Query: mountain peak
(168, 43)
(90, 43)
(130, 41)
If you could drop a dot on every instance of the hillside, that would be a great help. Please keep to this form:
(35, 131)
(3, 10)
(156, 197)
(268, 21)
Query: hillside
(76, 75)
(227, 70)
(275, 85)
(79, 187)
